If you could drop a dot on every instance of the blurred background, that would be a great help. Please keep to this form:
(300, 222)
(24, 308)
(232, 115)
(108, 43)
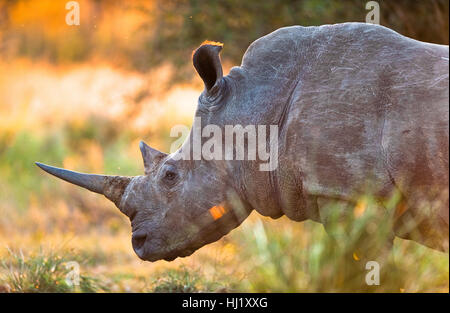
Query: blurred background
(82, 97)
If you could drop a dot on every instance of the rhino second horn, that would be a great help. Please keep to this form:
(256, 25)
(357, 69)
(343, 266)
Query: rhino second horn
(112, 187)
(150, 155)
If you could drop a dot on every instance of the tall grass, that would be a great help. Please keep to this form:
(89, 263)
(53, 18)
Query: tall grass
(286, 256)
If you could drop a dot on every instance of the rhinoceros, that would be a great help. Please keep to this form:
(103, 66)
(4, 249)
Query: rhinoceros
(356, 105)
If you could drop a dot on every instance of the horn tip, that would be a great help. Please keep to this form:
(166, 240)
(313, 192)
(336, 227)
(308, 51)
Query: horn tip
(46, 168)
(143, 146)
(41, 165)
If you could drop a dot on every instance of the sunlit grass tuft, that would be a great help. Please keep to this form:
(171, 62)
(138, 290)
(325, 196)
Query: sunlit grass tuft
(45, 272)
(183, 280)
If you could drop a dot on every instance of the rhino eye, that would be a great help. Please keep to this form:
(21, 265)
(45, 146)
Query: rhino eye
(170, 175)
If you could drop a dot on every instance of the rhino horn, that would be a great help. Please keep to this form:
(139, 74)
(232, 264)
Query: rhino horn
(112, 187)
(150, 155)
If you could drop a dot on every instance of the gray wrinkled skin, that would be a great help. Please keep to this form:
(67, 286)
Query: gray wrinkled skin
(359, 107)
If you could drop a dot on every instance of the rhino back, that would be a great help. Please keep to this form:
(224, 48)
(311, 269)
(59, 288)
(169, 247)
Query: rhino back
(359, 106)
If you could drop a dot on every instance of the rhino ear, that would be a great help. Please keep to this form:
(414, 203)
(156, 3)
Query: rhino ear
(150, 156)
(206, 61)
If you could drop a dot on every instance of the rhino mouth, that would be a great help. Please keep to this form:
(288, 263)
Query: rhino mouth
(148, 250)
(154, 249)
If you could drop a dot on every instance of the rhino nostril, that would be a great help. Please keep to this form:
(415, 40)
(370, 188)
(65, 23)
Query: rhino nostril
(138, 240)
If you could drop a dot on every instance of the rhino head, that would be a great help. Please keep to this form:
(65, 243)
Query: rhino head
(179, 204)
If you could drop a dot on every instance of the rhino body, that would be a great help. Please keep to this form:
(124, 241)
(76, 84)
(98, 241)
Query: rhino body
(358, 107)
